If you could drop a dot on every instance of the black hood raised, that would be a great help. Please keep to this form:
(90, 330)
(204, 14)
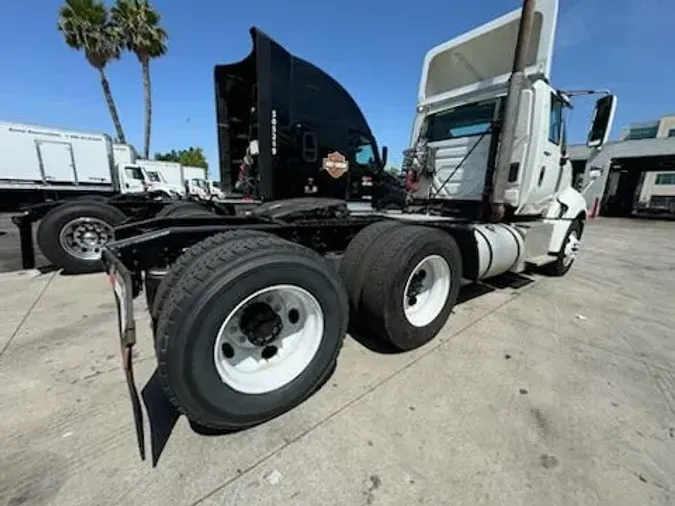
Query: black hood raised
(276, 98)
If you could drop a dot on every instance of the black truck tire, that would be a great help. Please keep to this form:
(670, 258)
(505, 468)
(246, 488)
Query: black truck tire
(192, 254)
(200, 344)
(73, 234)
(355, 262)
(186, 208)
(411, 285)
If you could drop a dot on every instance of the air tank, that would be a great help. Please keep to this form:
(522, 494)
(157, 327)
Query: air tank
(500, 248)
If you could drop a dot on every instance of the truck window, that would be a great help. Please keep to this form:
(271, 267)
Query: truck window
(134, 173)
(555, 125)
(464, 121)
(153, 176)
(364, 153)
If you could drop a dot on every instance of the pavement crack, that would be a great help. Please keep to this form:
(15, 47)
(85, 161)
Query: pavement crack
(28, 313)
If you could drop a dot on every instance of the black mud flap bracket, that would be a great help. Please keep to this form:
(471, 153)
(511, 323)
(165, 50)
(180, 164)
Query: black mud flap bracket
(120, 279)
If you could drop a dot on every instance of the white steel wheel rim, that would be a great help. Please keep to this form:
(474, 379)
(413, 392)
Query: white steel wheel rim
(427, 290)
(571, 248)
(252, 368)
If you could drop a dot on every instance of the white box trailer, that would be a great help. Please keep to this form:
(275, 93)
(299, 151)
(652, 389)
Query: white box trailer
(38, 158)
(190, 172)
(124, 154)
(41, 164)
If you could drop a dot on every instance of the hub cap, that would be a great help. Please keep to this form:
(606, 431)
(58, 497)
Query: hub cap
(427, 291)
(84, 238)
(269, 339)
(571, 248)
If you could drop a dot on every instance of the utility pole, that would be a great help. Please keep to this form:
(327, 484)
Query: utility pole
(516, 85)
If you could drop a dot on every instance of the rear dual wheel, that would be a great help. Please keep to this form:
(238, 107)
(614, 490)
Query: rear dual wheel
(403, 282)
(250, 328)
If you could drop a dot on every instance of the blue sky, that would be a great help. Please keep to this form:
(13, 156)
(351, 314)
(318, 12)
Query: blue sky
(374, 48)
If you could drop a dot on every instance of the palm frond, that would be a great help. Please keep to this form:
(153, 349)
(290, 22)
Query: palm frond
(85, 27)
(140, 24)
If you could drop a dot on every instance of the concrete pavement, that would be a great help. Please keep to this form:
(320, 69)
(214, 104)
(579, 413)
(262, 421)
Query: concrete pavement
(559, 393)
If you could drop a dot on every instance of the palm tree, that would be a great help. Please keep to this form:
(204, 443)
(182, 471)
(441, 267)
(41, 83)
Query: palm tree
(139, 23)
(86, 27)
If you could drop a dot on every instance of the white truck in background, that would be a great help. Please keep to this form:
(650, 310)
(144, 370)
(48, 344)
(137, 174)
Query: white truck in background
(79, 186)
(185, 179)
(42, 164)
(655, 194)
(169, 174)
(198, 183)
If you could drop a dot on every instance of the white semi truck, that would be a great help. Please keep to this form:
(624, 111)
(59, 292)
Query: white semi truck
(249, 312)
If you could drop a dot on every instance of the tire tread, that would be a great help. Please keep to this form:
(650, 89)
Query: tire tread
(188, 285)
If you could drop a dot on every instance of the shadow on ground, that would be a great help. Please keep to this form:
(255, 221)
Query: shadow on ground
(163, 416)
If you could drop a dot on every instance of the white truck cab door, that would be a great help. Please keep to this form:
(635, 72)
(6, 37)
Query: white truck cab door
(545, 174)
(133, 179)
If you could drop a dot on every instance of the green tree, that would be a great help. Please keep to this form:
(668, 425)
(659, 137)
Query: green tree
(86, 27)
(139, 24)
(191, 157)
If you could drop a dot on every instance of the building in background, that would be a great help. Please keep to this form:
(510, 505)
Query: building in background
(632, 176)
(657, 129)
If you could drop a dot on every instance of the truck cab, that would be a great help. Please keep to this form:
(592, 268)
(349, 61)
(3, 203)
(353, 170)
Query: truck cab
(197, 187)
(459, 118)
(139, 179)
(288, 129)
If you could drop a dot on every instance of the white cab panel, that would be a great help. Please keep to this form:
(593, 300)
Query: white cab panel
(467, 181)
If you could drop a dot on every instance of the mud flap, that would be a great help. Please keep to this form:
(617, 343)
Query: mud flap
(120, 279)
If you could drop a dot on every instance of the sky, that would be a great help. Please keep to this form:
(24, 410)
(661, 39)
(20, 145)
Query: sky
(374, 48)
